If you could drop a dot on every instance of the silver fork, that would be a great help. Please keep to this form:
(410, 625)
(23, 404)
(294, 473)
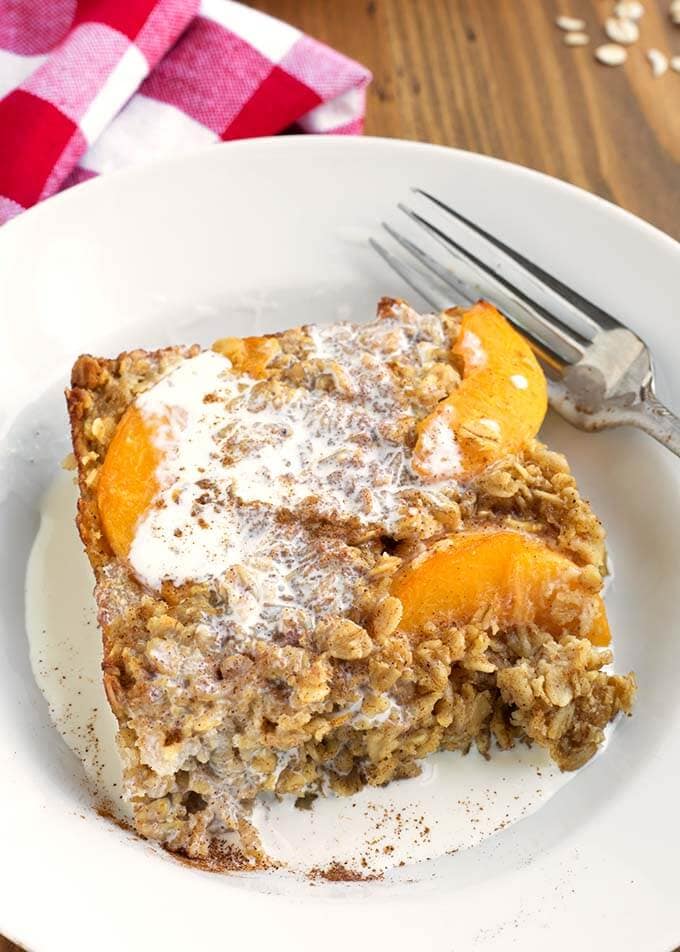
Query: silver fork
(600, 373)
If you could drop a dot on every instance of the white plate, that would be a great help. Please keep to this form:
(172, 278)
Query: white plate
(249, 237)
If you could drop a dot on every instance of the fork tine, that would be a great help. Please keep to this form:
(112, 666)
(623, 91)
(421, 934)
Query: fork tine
(454, 281)
(581, 308)
(469, 292)
(554, 341)
(546, 320)
(420, 282)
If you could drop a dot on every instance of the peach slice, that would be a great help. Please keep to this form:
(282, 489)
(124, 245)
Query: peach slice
(499, 405)
(248, 355)
(517, 576)
(127, 480)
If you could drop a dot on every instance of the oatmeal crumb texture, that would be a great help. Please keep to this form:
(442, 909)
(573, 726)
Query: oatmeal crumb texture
(252, 640)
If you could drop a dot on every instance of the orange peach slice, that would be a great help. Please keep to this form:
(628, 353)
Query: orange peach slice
(499, 405)
(248, 355)
(127, 480)
(517, 576)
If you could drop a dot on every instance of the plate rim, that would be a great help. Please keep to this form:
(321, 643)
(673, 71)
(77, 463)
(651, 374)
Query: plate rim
(130, 175)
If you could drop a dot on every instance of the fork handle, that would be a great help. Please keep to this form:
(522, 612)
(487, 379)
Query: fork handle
(656, 419)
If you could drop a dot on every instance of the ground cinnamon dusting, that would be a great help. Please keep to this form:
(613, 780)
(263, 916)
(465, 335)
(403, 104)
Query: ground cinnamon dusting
(224, 858)
(255, 680)
(107, 811)
(337, 873)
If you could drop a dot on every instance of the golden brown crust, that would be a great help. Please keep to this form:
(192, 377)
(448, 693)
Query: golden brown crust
(206, 724)
(101, 389)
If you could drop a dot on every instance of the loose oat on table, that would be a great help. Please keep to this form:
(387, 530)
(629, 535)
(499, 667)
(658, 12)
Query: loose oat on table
(629, 9)
(658, 61)
(610, 54)
(570, 24)
(252, 642)
(621, 30)
(576, 39)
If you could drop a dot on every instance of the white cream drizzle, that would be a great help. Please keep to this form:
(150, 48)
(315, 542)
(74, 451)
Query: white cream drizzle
(441, 448)
(490, 424)
(235, 457)
(475, 355)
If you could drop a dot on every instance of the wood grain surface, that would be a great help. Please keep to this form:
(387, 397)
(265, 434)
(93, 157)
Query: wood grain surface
(494, 76)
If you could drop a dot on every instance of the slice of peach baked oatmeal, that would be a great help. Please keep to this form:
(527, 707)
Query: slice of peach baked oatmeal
(324, 554)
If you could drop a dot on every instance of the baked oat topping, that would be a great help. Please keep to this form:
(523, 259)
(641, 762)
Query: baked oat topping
(330, 445)
(255, 524)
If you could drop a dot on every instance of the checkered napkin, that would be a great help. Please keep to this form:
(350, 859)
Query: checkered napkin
(89, 86)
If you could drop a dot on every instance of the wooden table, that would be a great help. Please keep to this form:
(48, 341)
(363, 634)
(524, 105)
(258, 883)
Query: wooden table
(494, 76)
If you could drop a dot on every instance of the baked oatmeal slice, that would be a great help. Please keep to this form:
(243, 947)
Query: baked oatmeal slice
(322, 555)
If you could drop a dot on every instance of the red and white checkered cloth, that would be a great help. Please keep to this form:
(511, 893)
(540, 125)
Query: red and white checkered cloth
(89, 86)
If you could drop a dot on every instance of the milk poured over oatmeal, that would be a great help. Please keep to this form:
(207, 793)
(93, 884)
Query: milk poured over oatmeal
(234, 459)
(454, 804)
